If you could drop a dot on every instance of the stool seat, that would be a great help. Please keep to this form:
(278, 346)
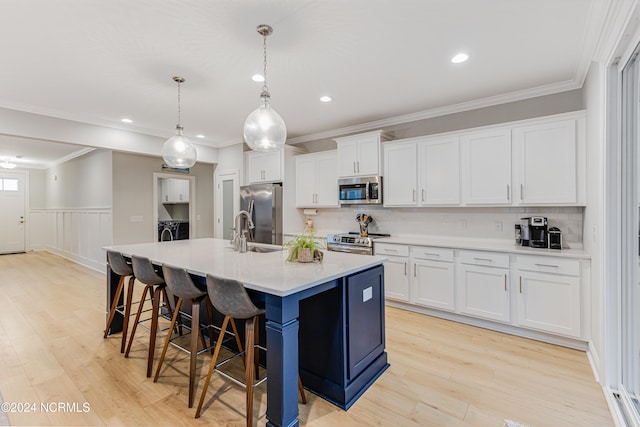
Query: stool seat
(119, 266)
(230, 298)
(145, 273)
(181, 286)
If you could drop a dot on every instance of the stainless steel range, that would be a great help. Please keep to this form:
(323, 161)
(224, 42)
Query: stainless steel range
(352, 242)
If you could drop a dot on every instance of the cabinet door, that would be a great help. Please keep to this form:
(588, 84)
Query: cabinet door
(486, 167)
(181, 191)
(368, 160)
(305, 181)
(396, 279)
(439, 167)
(433, 284)
(327, 180)
(166, 190)
(483, 292)
(265, 167)
(347, 156)
(549, 302)
(545, 156)
(400, 175)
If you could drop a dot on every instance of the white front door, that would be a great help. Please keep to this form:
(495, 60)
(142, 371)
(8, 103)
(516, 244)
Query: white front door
(12, 235)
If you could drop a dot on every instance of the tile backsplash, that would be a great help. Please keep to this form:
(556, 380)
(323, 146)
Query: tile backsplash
(478, 223)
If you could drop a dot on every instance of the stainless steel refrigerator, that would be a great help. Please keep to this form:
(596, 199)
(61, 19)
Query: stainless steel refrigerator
(264, 204)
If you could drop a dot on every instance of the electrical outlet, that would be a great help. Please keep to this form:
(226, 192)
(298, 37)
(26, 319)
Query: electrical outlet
(499, 226)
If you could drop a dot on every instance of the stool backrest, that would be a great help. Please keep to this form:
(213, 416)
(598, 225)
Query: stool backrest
(230, 298)
(180, 283)
(118, 264)
(144, 271)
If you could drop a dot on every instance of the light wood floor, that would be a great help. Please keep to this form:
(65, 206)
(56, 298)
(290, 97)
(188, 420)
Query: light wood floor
(442, 373)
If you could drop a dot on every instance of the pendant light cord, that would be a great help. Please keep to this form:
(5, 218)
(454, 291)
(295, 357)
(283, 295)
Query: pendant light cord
(264, 48)
(179, 109)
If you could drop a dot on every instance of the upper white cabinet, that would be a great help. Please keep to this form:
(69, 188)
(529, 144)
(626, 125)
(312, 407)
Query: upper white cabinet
(439, 171)
(545, 159)
(359, 155)
(317, 180)
(265, 167)
(400, 174)
(486, 167)
(175, 191)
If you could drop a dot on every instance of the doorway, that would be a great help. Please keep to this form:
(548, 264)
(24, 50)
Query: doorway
(174, 207)
(12, 213)
(227, 202)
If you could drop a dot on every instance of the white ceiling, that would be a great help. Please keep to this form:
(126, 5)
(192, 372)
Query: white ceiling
(98, 61)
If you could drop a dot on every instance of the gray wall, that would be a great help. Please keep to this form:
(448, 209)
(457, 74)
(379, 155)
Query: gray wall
(133, 196)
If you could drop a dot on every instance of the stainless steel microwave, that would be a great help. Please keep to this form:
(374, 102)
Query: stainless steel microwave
(365, 190)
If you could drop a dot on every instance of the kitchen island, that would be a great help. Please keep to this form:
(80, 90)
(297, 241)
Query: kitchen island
(323, 320)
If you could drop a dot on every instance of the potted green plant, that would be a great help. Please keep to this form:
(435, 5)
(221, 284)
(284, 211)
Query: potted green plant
(304, 248)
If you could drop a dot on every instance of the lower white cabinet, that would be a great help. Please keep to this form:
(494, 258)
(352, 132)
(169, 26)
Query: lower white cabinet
(396, 271)
(483, 283)
(433, 280)
(548, 294)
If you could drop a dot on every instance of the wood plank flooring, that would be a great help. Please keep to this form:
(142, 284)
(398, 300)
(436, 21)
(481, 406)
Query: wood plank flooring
(442, 373)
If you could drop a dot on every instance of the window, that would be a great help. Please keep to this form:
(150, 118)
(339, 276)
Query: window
(9, 184)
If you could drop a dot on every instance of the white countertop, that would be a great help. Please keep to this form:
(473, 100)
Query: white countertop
(264, 272)
(481, 245)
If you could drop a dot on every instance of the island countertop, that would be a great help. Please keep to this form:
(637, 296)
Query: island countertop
(264, 272)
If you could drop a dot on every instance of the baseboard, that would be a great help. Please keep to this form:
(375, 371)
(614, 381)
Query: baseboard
(594, 361)
(93, 265)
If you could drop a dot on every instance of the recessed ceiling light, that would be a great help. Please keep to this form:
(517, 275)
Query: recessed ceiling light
(257, 78)
(461, 57)
(199, 136)
(125, 120)
(325, 98)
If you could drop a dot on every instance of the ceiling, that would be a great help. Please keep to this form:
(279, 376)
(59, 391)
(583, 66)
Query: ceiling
(97, 61)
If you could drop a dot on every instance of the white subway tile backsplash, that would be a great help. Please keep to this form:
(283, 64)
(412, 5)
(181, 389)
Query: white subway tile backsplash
(450, 222)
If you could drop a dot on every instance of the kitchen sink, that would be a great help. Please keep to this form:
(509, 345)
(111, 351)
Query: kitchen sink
(262, 249)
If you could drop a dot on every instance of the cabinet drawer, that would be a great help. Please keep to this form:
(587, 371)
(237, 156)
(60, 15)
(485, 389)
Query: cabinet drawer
(428, 252)
(491, 259)
(390, 249)
(569, 267)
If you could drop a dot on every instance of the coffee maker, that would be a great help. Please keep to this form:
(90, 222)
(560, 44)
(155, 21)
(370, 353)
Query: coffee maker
(538, 234)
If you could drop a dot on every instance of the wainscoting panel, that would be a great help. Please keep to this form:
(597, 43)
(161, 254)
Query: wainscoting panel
(77, 234)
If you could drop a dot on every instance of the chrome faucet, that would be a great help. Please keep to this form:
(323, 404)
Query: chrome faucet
(237, 233)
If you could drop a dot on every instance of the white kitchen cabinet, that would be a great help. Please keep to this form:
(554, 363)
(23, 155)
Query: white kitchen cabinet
(175, 191)
(486, 167)
(265, 167)
(317, 180)
(359, 155)
(545, 163)
(548, 294)
(483, 285)
(439, 171)
(400, 174)
(396, 271)
(433, 280)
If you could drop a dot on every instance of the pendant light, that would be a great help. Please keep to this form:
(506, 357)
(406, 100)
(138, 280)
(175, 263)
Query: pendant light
(178, 151)
(7, 164)
(264, 129)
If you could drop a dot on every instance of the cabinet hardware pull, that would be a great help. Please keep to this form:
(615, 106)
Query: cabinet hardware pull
(508, 193)
(521, 192)
(405, 268)
(354, 167)
(390, 250)
(429, 254)
(414, 270)
(358, 163)
(520, 284)
(423, 194)
(483, 259)
(414, 194)
(547, 265)
(505, 282)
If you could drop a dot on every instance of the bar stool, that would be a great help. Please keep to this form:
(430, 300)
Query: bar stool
(145, 273)
(180, 284)
(231, 299)
(119, 266)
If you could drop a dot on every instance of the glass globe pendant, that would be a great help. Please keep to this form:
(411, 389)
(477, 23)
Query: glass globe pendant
(264, 129)
(179, 151)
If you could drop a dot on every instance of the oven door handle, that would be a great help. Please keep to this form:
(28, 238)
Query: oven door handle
(359, 251)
